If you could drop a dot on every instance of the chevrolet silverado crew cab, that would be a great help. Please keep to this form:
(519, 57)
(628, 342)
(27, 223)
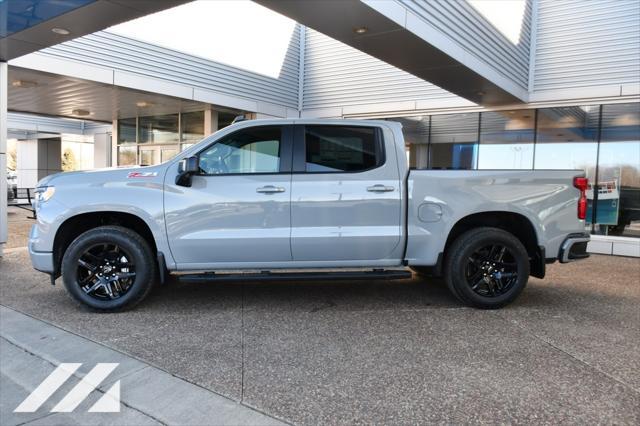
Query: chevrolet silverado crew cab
(304, 199)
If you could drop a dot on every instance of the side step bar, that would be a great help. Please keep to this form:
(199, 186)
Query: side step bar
(376, 274)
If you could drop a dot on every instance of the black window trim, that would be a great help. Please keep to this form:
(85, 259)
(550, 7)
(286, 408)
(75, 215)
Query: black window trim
(285, 154)
(300, 149)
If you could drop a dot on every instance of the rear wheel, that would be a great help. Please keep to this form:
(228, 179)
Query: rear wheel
(487, 268)
(109, 268)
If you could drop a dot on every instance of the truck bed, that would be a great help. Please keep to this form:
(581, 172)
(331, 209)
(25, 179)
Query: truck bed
(438, 199)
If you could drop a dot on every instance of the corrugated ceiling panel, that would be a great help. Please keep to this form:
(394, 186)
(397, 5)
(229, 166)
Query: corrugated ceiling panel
(587, 43)
(463, 24)
(339, 75)
(126, 54)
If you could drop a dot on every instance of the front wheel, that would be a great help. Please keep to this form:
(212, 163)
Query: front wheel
(109, 268)
(487, 268)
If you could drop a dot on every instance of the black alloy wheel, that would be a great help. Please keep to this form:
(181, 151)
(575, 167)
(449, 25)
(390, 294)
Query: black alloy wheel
(106, 271)
(491, 270)
(486, 267)
(109, 268)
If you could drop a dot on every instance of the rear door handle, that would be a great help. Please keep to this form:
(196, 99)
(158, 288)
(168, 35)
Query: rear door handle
(270, 189)
(380, 188)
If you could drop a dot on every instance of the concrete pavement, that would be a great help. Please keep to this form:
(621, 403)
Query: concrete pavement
(31, 349)
(400, 352)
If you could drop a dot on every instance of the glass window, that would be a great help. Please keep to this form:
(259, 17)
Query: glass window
(506, 140)
(192, 124)
(167, 154)
(254, 150)
(454, 141)
(416, 138)
(158, 129)
(225, 119)
(127, 155)
(567, 138)
(126, 130)
(341, 149)
(146, 157)
(617, 211)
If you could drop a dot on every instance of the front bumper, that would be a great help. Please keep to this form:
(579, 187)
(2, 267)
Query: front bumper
(40, 260)
(574, 248)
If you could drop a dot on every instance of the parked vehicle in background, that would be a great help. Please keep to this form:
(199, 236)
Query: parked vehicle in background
(304, 195)
(12, 185)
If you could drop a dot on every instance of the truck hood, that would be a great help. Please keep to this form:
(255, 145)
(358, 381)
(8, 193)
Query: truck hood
(111, 174)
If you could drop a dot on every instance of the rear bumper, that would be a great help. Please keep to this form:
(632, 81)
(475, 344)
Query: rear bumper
(574, 248)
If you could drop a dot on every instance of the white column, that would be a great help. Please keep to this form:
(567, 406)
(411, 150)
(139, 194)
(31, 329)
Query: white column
(210, 121)
(101, 150)
(114, 144)
(3, 155)
(38, 158)
(419, 155)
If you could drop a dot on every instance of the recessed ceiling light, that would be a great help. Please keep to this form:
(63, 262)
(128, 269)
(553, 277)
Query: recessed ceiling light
(23, 84)
(81, 112)
(480, 93)
(360, 30)
(143, 104)
(61, 31)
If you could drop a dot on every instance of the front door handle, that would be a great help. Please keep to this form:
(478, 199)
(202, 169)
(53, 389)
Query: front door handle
(380, 188)
(270, 189)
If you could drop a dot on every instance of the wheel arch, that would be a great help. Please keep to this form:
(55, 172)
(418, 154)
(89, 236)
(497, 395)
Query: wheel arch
(76, 225)
(515, 223)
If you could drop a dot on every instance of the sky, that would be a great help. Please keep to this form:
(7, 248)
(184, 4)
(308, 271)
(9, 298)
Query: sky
(505, 15)
(235, 32)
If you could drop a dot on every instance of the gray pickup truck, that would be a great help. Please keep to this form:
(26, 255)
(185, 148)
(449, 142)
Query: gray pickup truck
(304, 199)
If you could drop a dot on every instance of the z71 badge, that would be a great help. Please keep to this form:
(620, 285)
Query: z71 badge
(141, 174)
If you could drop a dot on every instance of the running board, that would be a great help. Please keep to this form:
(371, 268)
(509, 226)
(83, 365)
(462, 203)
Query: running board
(298, 276)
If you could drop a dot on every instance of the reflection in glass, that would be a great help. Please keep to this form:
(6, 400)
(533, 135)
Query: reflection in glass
(126, 130)
(167, 154)
(618, 187)
(146, 157)
(506, 140)
(567, 138)
(192, 124)
(127, 155)
(253, 150)
(416, 138)
(158, 129)
(225, 119)
(340, 149)
(454, 141)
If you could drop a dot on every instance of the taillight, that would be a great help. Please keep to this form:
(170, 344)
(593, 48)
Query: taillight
(582, 183)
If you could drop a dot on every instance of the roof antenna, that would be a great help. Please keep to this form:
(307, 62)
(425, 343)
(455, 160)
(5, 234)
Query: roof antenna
(239, 118)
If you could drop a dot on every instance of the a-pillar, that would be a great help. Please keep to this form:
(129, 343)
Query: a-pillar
(38, 158)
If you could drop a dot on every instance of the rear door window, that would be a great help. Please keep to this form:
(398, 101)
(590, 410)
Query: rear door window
(346, 149)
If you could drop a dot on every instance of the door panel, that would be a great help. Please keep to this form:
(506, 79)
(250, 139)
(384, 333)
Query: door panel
(226, 219)
(344, 216)
(238, 210)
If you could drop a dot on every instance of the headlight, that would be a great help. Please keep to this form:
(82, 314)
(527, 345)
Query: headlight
(44, 193)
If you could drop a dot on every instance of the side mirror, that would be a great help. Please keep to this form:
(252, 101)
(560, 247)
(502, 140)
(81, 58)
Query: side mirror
(187, 168)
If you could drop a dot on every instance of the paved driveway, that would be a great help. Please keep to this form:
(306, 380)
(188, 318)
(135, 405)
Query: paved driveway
(384, 352)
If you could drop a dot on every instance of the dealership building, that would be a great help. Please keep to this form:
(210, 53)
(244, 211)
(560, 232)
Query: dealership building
(477, 84)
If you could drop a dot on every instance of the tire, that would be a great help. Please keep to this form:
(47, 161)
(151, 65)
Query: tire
(136, 273)
(476, 276)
